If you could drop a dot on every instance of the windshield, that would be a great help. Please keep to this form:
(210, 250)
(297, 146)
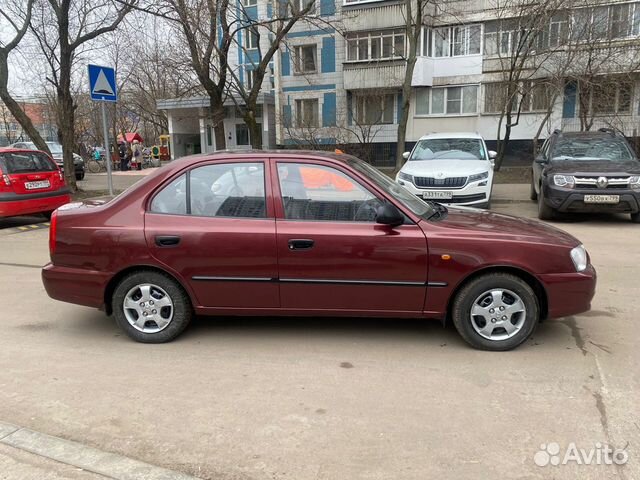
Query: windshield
(409, 200)
(449, 148)
(606, 148)
(54, 147)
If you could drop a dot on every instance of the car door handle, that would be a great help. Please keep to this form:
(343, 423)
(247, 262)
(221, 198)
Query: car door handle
(300, 244)
(167, 240)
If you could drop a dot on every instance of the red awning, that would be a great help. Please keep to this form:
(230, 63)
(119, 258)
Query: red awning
(130, 137)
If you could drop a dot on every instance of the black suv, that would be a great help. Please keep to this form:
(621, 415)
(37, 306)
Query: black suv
(586, 172)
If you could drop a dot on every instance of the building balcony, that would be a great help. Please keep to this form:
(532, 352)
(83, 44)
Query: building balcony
(427, 68)
(359, 76)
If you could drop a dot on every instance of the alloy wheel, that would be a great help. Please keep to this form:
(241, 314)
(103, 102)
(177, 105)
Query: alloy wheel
(148, 308)
(498, 314)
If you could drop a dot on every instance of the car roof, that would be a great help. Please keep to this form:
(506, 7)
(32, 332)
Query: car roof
(302, 154)
(14, 149)
(452, 135)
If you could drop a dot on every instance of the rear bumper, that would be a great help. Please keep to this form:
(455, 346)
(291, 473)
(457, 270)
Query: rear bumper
(75, 285)
(569, 293)
(12, 204)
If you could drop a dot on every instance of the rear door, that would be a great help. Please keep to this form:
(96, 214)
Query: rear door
(213, 225)
(30, 172)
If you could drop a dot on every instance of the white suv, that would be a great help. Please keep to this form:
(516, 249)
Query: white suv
(450, 168)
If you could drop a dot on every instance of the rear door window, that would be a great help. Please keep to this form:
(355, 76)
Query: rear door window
(26, 162)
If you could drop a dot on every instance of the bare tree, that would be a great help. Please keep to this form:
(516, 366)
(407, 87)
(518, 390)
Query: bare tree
(20, 24)
(63, 29)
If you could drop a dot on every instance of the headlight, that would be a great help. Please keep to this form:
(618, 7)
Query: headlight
(634, 182)
(478, 176)
(579, 257)
(405, 176)
(564, 181)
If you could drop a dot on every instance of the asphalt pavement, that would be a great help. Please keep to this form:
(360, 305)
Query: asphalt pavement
(292, 398)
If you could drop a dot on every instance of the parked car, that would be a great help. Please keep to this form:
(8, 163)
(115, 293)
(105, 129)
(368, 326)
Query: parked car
(56, 153)
(307, 234)
(586, 172)
(450, 168)
(30, 182)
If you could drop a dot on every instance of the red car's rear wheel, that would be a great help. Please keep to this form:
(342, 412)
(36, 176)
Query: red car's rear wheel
(151, 307)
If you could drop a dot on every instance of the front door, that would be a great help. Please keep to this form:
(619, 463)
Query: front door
(332, 254)
(214, 227)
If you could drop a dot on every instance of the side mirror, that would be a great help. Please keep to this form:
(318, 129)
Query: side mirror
(540, 159)
(388, 214)
(492, 155)
(405, 155)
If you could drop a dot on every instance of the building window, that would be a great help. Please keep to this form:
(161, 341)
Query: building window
(305, 59)
(251, 78)
(242, 134)
(461, 100)
(378, 45)
(375, 109)
(250, 3)
(534, 96)
(453, 41)
(559, 30)
(307, 113)
(611, 97)
(606, 22)
(251, 39)
(209, 135)
(427, 35)
(298, 6)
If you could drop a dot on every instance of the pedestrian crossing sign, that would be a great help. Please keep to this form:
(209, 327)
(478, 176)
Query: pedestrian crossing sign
(102, 83)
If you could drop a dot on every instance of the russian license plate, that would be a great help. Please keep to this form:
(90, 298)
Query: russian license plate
(612, 199)
(36, 185)
(437, 195)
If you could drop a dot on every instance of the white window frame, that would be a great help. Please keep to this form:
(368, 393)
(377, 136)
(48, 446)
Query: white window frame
(298, 59)
(250, 77)
(300, 112)
(363, 100)
(445, 90)
(249, 3)
(302, 4)
(376, 35)
(251, 37)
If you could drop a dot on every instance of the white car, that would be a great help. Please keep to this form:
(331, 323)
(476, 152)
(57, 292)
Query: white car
(452, 168)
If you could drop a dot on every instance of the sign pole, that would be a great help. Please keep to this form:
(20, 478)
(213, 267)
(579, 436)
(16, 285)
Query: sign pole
(107, 151)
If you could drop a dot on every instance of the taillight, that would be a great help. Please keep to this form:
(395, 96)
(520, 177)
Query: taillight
(53, 230)
(61, 175)
(5, 181)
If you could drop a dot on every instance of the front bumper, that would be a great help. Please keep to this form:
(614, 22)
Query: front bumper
(13, 205)
(471, 194)
(569, 293)
(75, 285)
(572, 200)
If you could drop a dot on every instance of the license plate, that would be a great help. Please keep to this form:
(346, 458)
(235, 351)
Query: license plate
(612, 199)
(437, 195)
(36, 185)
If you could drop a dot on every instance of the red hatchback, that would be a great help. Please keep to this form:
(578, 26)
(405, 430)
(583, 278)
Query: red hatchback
(300, 233)
(30, 182)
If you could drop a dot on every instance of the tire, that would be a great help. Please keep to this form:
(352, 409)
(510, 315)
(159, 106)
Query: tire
(94, 167)
(545, 212)
(477, 293)
(178, 315)
(533, 195)
(635, 217)
(80, 176)
(47, 215)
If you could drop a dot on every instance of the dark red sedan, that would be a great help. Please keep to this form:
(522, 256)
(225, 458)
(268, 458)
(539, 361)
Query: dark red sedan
(30, 182)
(308, 234)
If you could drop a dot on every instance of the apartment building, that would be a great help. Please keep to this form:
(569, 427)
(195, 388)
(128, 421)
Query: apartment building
(39, 113)
(339, 81)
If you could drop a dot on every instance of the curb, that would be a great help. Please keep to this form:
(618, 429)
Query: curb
(110, 465)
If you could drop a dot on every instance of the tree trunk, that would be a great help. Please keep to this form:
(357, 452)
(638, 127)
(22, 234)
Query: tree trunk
(217, 116)
(502, 143)
(67, 138)
(15, 109)
(255, 132)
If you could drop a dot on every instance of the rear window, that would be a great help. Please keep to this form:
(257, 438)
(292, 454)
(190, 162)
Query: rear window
(26, 162)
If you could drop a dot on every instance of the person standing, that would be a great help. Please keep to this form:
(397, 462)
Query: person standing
(137, 154)
(122, 153)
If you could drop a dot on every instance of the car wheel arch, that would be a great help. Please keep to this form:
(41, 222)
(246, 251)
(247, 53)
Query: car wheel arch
(519, 272)
(113, 283)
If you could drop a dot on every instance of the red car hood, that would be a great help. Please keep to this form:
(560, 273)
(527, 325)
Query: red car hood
(474, 222)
